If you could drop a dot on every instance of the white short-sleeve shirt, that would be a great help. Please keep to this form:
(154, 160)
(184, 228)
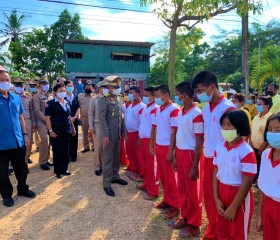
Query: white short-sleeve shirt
(147, 116)
(269, 176)
(190, 125)
(133, 113)
(233, 162)
(166, 118)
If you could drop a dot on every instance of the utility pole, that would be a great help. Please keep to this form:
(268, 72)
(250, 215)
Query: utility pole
(245, 59)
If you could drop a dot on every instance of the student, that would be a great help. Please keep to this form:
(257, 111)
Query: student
(205, 85)
(164, 135)
(132, 123)
(238, 100)
(189, 147)
(251, 105)
(268, 182)
(150, 182)
(234, 172)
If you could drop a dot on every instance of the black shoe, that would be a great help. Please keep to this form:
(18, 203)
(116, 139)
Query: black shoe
(28, 194)
(29, 161)
(45, 166)
(59, 175)
(37, 149)
(109, 191)
(11, 171)
(120, 182)
(92, 149)
(85, 150)
(8, 202)
(98, 172)
(73, 160)
(66, 173)
(49, 164)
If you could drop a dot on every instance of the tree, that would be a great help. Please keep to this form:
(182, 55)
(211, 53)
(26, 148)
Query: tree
(179, 13)
(12, 28)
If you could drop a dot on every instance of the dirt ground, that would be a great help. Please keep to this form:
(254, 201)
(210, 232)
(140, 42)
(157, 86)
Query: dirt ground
(75, 207)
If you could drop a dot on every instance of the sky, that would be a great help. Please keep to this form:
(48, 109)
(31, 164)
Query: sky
(112, 24)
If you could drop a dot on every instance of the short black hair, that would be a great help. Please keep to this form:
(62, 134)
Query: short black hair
(271, 117)
(206, 78)
(135, 89)
(240, 97)
(239, 120)
(276, 86)
(151, 90)
(57, 86)
(163, 88)
(185, 88)
(126, 91)
(267, 100)
(89, 83)
(67, 82)
(253, 97)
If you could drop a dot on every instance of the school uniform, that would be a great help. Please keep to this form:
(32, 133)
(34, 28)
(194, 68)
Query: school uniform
(62, 127)
(213, 136)
(268, 183)
(150, 180)
(190, 125)
(166, 119)
(233, 162)
(132, 122)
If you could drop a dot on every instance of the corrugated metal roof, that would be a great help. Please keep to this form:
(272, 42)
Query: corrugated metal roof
(112, 43)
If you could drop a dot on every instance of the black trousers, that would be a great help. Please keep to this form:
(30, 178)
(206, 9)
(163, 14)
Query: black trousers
(17, 158)
(60, 148)
(73, 147)
(258, 157)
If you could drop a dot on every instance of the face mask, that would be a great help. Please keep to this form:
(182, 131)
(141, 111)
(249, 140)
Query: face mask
(270, 93)
(61, 95)
(69, 89)
(158, 101)
(145, 100)
(178, 101)
(249, 101)
(236, 105)
(117, 91)
(130, 97)
(33, 90)
(88, 91)
(105, 91)
(273, 139)
(5, 86)
(260, 108)
(46, 88)
(203, 97)
(19, 89)
(229, 135)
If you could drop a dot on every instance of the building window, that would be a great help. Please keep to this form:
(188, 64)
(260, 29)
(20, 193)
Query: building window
(74, 55)
(130, 57)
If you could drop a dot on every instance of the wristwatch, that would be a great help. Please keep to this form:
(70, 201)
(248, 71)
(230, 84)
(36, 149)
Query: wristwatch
(50, 131)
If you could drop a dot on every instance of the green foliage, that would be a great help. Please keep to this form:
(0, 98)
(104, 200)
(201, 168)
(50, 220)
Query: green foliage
(235, 79)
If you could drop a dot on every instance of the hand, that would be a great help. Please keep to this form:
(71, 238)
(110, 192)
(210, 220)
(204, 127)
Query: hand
(73, 132)
(259, 224)
(106, 141)
(220, 207)
(73, 119)
(138, 143)
(151, 150)
(26, 141)
(170, 157)
(53, 135)
(230, 214)
(174, 165)
(194, 173)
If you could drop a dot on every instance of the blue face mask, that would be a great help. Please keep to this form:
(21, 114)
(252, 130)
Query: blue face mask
(260, 108)
(145, 100)
(249, 101)
(273, 139)
(33, 90)
(236, 105)
(203, 97)
(130, 97)
(158, 101)
(178, 101)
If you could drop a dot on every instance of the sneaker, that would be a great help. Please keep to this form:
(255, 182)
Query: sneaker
(45, 166)
(150, 197)
(189, 231)
(171, 213)
(135, 177)
(50, 164)
(29, 161)
(179, 223)
(85, 150)
(8, 202)
(28, 194)
(162, 205)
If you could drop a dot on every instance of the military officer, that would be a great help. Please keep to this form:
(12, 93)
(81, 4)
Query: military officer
(28, 114)
(84, 100)
(39, 103)
(111, 119)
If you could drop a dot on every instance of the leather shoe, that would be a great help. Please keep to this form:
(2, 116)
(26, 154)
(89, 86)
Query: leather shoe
(85, 150)
(120, 182)
(98, 172)
(8, 202)
(67, 173)
(45, 166)
(59, 175)
(49, 164)
(109, 191)
(29, 161)
(28, 194)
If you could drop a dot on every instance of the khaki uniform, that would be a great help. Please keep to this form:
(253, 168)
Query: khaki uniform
(94, 126)
(111, 118)
(39, 104)
(84, 100)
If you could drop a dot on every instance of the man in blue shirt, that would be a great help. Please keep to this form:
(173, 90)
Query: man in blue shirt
(79, 87)
(13, 142)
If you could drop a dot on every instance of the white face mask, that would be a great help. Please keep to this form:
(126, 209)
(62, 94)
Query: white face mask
(117, 91)
(19, 90)
(46, 88)
(61, 95)
(5, 86)
(105, 91)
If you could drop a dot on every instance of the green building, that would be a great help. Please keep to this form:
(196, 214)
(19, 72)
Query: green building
(96, 59)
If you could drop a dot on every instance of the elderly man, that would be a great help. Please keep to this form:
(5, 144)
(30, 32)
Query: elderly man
(272, 90)
(13, 142)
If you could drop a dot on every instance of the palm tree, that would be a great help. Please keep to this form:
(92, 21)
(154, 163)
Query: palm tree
(12, 28)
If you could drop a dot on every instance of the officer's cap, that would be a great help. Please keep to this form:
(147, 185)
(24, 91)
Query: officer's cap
(32, 82)
(89, 83)
(36, 79)
(102, 83)
(43, 80)
(18, 80)
(114, 81)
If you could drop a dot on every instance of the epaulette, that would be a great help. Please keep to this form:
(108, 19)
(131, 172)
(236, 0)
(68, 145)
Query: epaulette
(28, 93)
